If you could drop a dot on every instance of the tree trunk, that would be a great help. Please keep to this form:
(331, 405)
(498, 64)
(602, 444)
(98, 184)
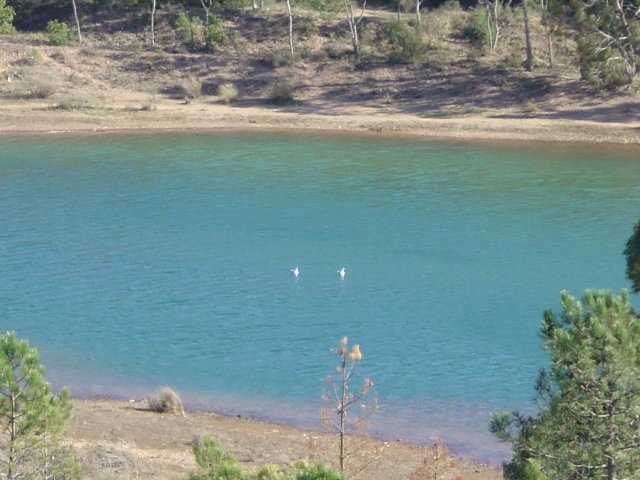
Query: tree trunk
(528, 63)
(547, 31)
(206, 7)
(489, 29)
(75, 15)
(290, 26)
(13, 435)
(353, 24)
(418, 16)
(153, 17)
(343, 413)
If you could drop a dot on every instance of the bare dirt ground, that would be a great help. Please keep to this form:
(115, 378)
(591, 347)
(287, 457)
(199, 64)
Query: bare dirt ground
(121, 439)
(115, 81)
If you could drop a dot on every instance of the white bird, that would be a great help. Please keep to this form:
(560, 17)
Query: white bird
(295, 271)
(342, 272)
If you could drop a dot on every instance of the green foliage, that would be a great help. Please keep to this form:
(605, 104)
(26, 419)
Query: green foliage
(183, 23)
(590, 395)
(609, 41)
(632, 252)
(190, 29)
(215, 462)
(36, 55)
(234, 6)
(31, 416)
(270, 472)
(324, 5)
(407, 44)
(475, 30)
(215, 37)
(57, 33)
(601, 68)
(7, 14)
(315, 471)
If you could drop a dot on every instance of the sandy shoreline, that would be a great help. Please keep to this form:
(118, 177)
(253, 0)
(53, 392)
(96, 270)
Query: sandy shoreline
(126, 438)
(19, 118)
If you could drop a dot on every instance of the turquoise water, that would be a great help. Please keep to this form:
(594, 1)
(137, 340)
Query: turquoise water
(133, 262)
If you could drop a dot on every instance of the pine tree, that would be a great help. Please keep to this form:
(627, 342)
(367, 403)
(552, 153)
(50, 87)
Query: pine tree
(349, 410)
(32, 417)
(632, 252)
(589, 425)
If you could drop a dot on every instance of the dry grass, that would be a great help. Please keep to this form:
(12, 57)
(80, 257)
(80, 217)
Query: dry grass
(100, 462)
(166, 401)
(192, 88)
(228, 93)
(282, 92)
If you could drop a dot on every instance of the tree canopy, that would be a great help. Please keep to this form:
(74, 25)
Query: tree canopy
(632, 252)
(589, 424)
(31, 416)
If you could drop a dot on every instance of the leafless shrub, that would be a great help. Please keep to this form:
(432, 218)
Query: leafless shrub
(41, 87)
(282, 92)
(166, 401)
(192, 88)
(72, 103)
(100, 462)
(276, 59)
(435, 465)
(60, 56)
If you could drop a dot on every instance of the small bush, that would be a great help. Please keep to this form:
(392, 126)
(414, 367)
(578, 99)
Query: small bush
(97, 462)
(183, 23)
(166, 401)
(276, 59)
(57, 33)
(7, 14)
(228, 93)
(307, 28)
(475, 30)
(190, 29)
(234, 6)
(214, 461)
(282, 92)
(407, 44)
(529, 106)
(42, 88)
(72, 103)
(59, 56)
(305, 52)
(192, 88)
(316, 471)
(512, 60)
(136, 46)
(336, 51)
(36, 56)
(271, 472)
(216, 37)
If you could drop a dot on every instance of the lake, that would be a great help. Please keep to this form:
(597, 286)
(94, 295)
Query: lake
(136, 261)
